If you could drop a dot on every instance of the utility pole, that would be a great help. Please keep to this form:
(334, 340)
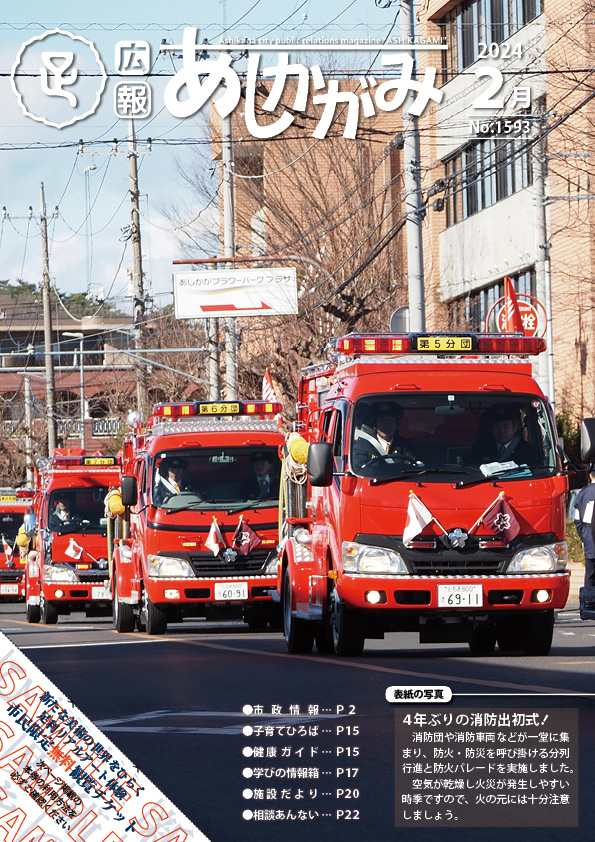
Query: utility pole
(213, 373)
(28, 431)
(542, 263)
(229, 248)
(47, 330)
(229, 239)
(81, 337)
(413, 198)
(142, 392)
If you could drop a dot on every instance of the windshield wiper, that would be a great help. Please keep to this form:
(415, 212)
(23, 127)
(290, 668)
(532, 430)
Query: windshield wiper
(418, 473)
(241, 508)
(192, 506)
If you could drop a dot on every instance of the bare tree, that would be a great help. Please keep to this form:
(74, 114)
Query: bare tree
(335, 206)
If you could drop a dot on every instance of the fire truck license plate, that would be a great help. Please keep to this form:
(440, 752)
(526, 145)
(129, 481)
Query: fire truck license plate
(460, 596)
(99, 592)
(9, 589)
(233, 590)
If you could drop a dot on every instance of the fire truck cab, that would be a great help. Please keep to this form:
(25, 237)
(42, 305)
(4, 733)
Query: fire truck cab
(435, 497)
(68, 568)
(13, 505)
(197, 532)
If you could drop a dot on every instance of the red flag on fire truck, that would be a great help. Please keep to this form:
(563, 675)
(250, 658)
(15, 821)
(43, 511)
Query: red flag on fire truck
(268, 389)
(500, 518)
(513, 320)
(245, 538)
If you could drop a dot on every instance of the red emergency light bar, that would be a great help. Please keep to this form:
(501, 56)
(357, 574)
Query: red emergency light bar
(360, 344)
(209, 408)
(16, 494)
(85, 461)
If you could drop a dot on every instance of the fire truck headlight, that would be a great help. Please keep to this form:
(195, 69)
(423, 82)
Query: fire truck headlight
(546, 559)
(165, 567)
(59, 573)
(360, 558)
(272, 565)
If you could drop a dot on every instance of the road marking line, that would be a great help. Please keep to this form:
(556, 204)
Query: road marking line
(442, 679)
(82, 645)
(56, 628)
(574, 663)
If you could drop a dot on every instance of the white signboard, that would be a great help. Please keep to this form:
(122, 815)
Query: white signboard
(61, 779)
(224, 293)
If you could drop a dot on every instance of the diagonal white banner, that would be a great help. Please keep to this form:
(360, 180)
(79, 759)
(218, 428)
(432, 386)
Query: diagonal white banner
(62, 779)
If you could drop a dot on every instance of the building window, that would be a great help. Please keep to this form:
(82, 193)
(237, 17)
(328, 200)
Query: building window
(469, 312)
(482, 173)
(476, 21)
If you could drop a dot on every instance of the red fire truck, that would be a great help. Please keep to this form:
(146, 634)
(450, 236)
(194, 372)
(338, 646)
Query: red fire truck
(197, 533)
(435, 499)
(68, 568)
(13, 505)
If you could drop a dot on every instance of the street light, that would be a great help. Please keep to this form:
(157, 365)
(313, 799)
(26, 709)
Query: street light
(81, 337)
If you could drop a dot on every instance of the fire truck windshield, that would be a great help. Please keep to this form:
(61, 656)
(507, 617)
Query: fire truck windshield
(9, 525)
(461, 437)
(215, 478)
(77, 509)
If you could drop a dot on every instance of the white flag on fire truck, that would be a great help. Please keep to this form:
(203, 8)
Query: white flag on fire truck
(7, 551)
(73, 550)
(215, 540)
(418, 517)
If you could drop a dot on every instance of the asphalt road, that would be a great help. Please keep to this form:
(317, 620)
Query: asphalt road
(175, 705)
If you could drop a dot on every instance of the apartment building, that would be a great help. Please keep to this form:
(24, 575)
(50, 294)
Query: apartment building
(518, 204)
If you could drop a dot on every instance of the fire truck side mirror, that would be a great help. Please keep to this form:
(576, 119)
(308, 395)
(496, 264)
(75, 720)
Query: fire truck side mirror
(30, 523)
(129, 491)
(588, 440)
(320, 463)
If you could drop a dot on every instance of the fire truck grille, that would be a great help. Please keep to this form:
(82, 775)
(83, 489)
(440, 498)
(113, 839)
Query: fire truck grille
(9, 576)
(96, 577)
(454, 567)
(480, 555)
(252, 565)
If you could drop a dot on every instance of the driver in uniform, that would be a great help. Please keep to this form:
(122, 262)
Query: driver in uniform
(382, 437)
(63, 514)
(170, 478)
